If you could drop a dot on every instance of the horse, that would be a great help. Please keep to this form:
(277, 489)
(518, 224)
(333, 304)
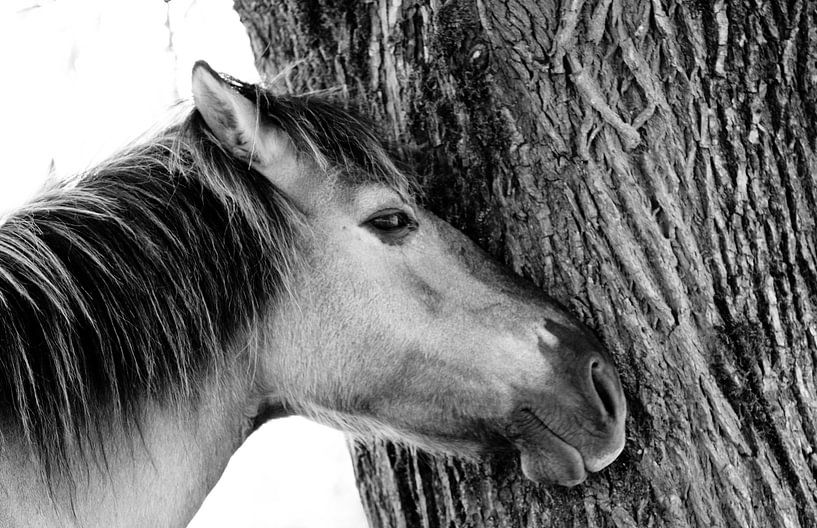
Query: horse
(264, 256)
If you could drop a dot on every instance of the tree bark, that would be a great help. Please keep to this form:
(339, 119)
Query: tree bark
(651, 165)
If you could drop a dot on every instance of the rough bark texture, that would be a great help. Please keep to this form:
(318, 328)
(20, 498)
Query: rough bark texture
(651, 164)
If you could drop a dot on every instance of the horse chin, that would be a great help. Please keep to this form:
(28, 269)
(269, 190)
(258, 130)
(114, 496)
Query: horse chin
(545, 457)
(565, 468)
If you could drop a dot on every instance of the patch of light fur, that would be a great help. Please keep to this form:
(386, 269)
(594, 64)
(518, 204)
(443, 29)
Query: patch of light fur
(547, 338)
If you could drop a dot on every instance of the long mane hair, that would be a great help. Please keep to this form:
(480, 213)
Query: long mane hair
(133, 281)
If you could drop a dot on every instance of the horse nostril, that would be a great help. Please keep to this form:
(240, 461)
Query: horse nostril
(605, 388)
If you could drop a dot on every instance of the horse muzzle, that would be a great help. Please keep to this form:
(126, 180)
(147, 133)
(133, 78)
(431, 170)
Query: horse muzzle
(575, 430)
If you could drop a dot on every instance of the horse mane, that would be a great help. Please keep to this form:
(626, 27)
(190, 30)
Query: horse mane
(133, 281)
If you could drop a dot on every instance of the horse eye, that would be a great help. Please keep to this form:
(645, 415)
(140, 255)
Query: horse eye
(392, 223)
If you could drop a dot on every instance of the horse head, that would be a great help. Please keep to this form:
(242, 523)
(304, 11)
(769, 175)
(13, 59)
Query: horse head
(398, 324)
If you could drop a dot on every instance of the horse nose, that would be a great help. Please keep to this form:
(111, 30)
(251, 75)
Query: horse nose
(605, 389)
(609, 411)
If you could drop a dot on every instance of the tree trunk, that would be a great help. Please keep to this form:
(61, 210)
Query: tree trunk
(650, 165)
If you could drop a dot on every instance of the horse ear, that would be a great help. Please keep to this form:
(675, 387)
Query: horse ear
(230, 115)
(234, 119)
(236, 122)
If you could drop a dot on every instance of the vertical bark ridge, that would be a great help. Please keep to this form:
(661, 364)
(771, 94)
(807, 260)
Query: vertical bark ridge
(652, 166)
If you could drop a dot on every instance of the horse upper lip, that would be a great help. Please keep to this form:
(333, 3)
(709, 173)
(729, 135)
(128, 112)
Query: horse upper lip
(529, 416)
(597, 441)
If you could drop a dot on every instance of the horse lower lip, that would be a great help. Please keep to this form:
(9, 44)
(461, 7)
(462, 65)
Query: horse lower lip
(545, 456)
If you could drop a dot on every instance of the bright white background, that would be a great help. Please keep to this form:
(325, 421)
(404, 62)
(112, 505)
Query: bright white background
(81, 78)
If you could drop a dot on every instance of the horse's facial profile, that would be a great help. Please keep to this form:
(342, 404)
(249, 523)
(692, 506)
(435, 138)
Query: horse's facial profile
(400, 325)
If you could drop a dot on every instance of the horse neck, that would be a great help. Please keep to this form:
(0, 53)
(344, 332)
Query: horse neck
(156, 475)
